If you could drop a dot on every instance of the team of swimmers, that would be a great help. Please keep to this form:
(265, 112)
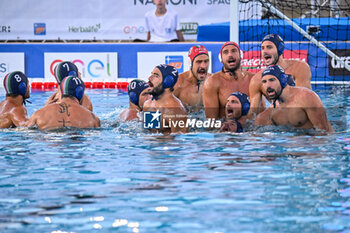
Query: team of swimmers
(231, 95)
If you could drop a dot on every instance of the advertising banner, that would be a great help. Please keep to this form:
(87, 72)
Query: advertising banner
(335, 67)
(10, 62)
(96, 67)
(253, 62)
(99, 20)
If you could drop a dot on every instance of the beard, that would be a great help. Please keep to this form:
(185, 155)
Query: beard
(235, 68)
(272, 93)
(195, 74)
(157, 90)
(274, 60)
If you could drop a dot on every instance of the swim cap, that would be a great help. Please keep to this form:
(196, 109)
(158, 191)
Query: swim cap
(64, 69)
(169, 74)
(243, 98)
(135, 88)
(16, 83)
(195, 51)
(230, 43)
(278, 72)
(290, 80)
(277, 40)
(73, 86)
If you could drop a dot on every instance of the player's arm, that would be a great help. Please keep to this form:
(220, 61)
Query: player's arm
(180, 36)
(19, 116)
(32, 120)
(303, 75)
(177, 87)
(255, 95)
(316, 112)
(179, 129)
(97, 120)
(211, 98)
(5, 121)
(53, 98)
(87, 103)
(264, 118)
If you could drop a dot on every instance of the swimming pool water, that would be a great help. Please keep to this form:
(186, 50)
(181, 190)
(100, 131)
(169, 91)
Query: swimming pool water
(123, 179)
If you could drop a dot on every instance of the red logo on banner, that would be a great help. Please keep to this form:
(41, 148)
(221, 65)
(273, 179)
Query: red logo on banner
(253, 62)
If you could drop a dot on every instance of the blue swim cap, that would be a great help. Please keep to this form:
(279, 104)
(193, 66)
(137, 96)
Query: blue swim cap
(243, 98)
(278, 72)
(15, 83)
(277, 40)
(135, 88)
(169, 74)
(73, 86)
(64, 69)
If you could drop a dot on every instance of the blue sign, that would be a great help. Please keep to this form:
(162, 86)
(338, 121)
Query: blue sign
(39, 29)
(176, 61)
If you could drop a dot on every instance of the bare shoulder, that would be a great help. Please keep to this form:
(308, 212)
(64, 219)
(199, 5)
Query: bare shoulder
(306, 96)
(213, 81)
(255, 80)
(176, 103)
(147, 104)
(248, 74)
(180, 81)
(297, 66)
(183, 76)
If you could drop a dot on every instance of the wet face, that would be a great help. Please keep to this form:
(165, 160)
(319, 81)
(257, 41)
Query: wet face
(269, 53)
(272, 86)
(200, 67)
(231, 57)
(155, 82)
(144, 96)
(233, 108)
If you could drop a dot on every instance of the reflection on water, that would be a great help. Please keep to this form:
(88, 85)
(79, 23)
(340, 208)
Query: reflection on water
(123, 178)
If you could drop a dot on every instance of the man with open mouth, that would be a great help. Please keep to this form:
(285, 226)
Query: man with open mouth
(161, 82)
(272, 48)
(297, 107)
(231, 78)
(189, 86)
(237, 108)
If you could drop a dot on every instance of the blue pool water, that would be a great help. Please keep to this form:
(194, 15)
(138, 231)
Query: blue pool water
(123, 179)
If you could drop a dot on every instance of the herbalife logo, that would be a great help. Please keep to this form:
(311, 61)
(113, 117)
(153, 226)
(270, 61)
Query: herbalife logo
(152, 120)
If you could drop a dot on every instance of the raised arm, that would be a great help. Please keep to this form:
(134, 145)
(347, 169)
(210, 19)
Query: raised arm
(255, 95)
(32, 121)
(211, 99)
(316, 112)
(303, 75)
(87, 103)
(53, 98)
